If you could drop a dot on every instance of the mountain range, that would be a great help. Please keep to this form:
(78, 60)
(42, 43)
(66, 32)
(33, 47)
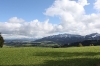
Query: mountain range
(69, 38)
(62, 40)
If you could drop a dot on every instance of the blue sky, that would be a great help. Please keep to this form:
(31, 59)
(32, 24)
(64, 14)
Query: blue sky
(39, 18)
(25, 9)
(31, 9)
(89, 9)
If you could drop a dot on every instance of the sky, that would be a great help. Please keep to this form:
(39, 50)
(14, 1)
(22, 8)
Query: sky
(40, 18)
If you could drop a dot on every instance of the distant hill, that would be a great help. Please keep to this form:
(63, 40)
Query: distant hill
(69, 38)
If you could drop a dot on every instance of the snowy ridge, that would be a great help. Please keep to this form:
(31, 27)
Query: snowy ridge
(69, 38)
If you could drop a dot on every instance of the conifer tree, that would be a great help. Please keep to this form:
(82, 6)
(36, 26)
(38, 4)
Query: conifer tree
(1, 41)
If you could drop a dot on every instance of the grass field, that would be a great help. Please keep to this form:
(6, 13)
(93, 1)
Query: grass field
(35, 56)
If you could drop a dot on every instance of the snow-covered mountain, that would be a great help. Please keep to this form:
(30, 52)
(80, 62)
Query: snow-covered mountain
(93, 36)
(69, 38)
(63, 36)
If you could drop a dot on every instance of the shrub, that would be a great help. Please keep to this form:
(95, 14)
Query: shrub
(91, 44)
(80, 45)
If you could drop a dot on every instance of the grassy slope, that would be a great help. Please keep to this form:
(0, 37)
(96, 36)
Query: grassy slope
(74, 56)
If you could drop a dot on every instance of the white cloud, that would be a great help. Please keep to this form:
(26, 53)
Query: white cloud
(15, 28)
(97, 5)
(61, 7)
(71, 13)
(73, 16)
(83, 2)
(15, 19)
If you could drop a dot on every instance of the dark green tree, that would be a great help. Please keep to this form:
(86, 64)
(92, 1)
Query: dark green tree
(1, 41)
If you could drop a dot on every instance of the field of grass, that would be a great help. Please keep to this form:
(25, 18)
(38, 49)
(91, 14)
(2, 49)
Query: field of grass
(36, 56)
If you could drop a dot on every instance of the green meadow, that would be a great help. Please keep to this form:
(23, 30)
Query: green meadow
(38, 56)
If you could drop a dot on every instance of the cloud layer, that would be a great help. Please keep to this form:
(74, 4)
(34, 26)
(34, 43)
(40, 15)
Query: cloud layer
(18, 28)
(73, 18)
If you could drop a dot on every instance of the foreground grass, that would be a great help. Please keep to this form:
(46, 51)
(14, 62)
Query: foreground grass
(74, 56)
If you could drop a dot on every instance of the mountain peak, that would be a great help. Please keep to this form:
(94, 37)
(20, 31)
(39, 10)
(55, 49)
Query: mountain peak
(93, 35)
